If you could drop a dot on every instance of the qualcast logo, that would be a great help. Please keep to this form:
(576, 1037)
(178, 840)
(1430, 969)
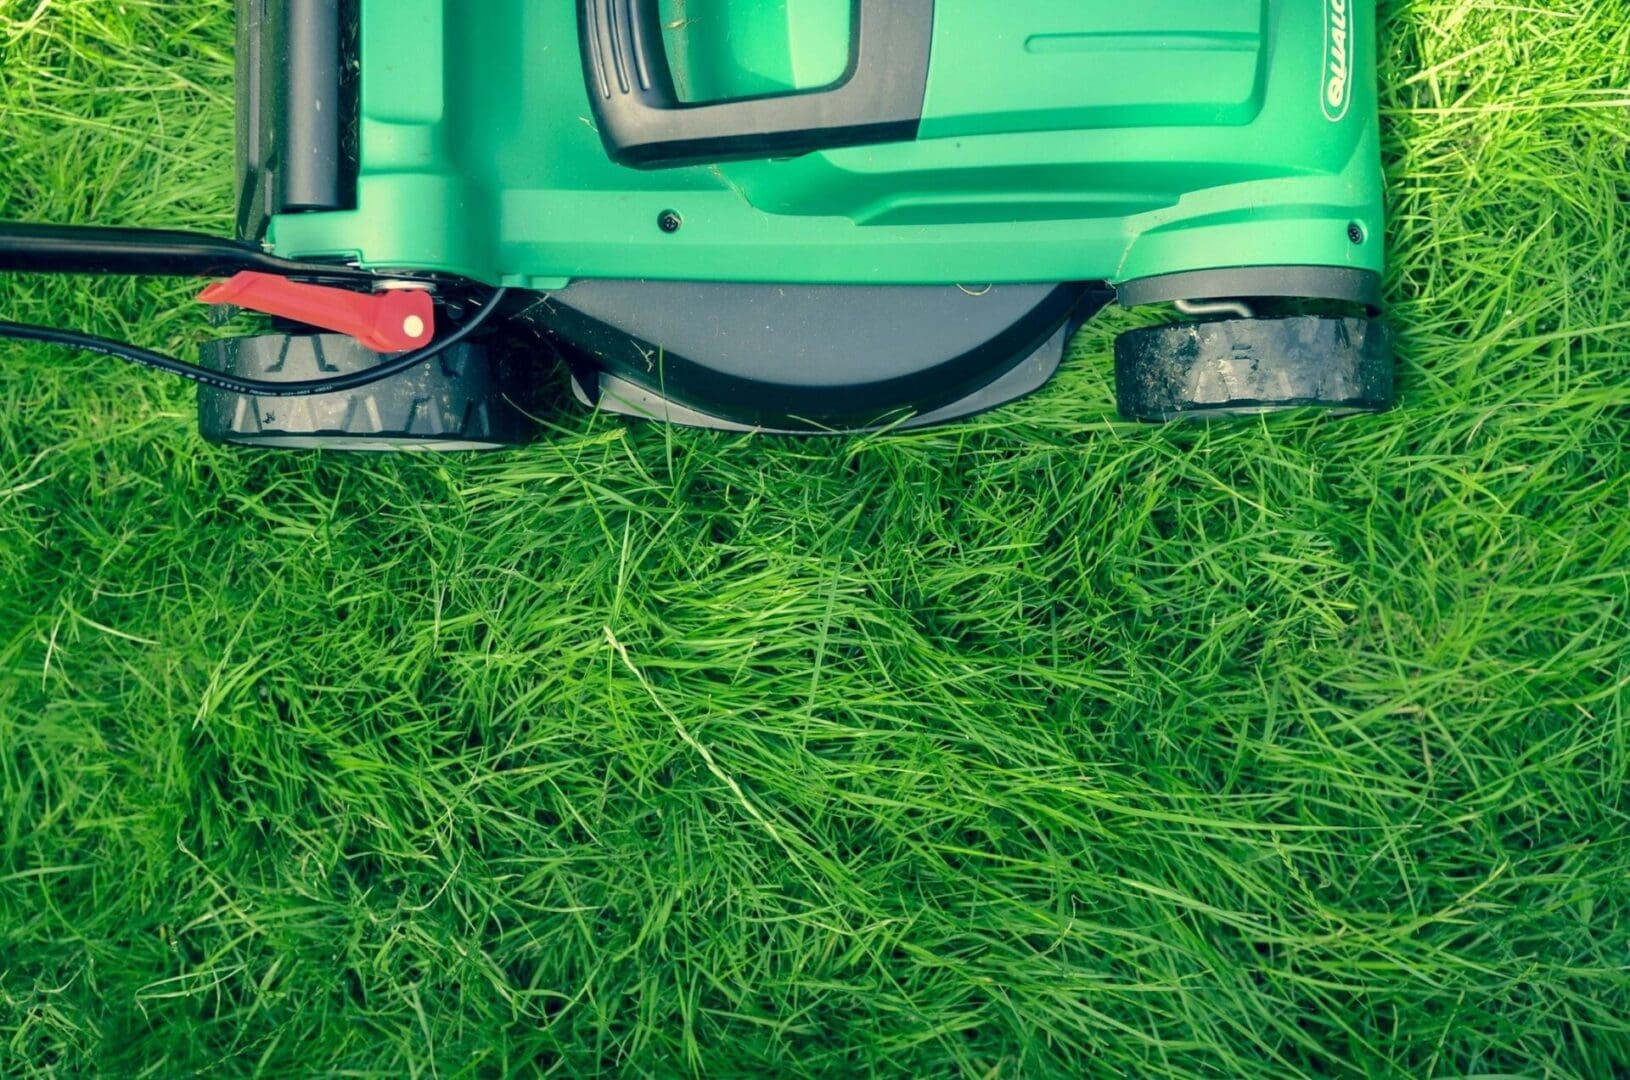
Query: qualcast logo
(1336, 90)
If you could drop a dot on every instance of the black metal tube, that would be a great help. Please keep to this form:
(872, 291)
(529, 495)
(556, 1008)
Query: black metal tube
(77, 249)
(310, 175)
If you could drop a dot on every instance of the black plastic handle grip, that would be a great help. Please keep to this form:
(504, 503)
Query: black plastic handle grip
(646, 125)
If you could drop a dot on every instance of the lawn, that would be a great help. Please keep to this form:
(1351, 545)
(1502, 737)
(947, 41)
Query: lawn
(1040, 745)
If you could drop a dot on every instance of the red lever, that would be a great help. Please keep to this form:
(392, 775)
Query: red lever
(388, 322)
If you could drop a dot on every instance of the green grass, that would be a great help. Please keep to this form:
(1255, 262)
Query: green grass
(1042, 745)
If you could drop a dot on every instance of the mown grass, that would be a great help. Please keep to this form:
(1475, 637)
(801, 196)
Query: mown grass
(1042, 745)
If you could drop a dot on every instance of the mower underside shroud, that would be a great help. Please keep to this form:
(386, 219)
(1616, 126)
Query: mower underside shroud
(768, 356)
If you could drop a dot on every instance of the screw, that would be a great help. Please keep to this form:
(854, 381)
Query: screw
(1355, 233)
(670, 222)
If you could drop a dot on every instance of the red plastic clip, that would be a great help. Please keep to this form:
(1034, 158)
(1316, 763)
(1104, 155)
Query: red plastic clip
(388, 322)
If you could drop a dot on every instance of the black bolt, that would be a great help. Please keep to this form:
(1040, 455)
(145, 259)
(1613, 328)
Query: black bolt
(1355, 233)
(670, 222)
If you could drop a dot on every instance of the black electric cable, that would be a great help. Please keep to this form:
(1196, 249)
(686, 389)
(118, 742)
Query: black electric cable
(339, 384)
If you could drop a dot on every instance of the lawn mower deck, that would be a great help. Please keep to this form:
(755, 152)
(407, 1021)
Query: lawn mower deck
(788, 215)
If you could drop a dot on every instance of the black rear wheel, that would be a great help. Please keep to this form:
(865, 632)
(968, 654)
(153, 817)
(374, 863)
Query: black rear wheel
(1231, 367)
(469, 398)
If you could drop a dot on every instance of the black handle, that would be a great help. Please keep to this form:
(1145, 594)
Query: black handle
(644, 123)
(83, 249)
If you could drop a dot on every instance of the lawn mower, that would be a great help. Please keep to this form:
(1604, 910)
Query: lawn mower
(773, 215)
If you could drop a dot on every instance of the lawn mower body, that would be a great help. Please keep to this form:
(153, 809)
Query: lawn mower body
(830, 214)
(1045, 141)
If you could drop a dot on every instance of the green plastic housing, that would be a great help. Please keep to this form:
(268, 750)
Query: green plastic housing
(1061, 141)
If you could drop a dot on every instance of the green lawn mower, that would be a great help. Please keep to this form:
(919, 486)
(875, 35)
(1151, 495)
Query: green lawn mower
(778, 215)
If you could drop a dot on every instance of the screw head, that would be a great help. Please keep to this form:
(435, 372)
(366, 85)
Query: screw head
(670, 222)
(1355, 233)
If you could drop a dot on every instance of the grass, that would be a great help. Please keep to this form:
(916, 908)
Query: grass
(1042, 745)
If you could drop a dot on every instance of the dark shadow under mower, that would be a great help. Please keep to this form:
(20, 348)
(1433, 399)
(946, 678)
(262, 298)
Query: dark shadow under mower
(730, 223)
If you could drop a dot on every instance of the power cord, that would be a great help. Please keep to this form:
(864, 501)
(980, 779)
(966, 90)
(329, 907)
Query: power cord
(339, 384)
